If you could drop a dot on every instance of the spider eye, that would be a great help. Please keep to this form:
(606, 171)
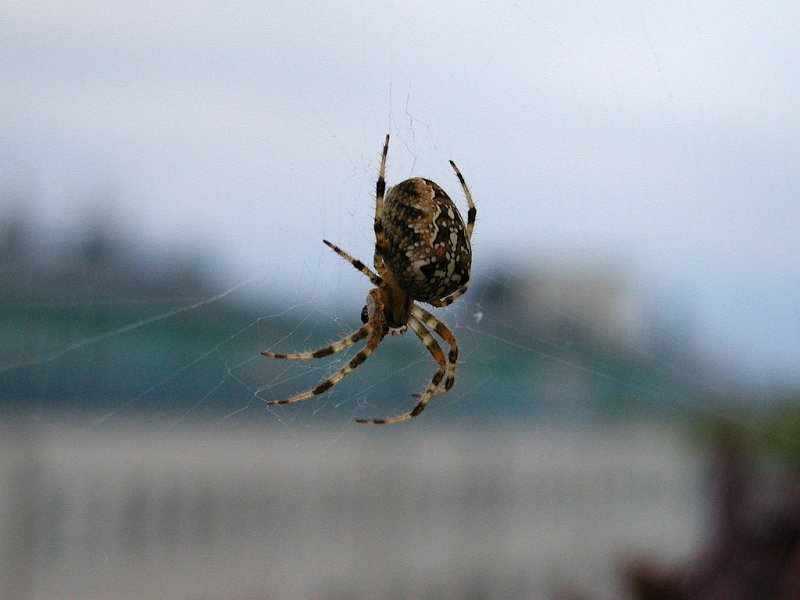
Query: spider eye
(364, 315)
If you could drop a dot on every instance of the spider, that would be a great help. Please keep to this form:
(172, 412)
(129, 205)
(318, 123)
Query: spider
(422, 254)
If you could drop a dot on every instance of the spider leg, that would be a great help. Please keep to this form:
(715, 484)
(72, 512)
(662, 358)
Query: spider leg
(447, 335)
(448, 300)
(381, 243)
(375, 336)
(435, 349)
(375, 279)
(357, 335)
(472, 213)
(374, 328)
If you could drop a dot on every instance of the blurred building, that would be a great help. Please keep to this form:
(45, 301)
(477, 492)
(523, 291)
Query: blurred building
(141, 511)
(588, 304)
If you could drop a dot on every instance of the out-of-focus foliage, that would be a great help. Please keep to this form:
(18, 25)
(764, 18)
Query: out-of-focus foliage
(767, 429)
(752, 547)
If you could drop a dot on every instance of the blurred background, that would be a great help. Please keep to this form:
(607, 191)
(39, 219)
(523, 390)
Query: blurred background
(625, 414)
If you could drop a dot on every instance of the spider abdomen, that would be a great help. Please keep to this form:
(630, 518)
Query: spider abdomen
(428, 251)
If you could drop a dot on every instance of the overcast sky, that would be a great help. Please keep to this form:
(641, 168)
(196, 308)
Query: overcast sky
(662, 136)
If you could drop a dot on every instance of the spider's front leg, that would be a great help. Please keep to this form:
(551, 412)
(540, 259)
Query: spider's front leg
(351, 339)
(374, 329)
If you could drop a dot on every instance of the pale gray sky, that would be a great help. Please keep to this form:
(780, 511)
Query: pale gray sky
(664, 135)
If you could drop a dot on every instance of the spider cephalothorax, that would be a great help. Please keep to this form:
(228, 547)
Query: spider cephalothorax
(422, 254)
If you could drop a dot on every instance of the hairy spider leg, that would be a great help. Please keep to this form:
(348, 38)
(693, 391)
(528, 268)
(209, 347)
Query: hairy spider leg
(441, 329)
(471, 214)
(448, 300)
(351, 339)
(375, 279)
(340, 345)
(435, 349)
(381, 244)
(375, 328)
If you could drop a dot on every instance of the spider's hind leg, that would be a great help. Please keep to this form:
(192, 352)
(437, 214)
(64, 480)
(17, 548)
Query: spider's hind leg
(436, 351)
(443, 332)
(351, 339)
(325, 385)
(373, 329)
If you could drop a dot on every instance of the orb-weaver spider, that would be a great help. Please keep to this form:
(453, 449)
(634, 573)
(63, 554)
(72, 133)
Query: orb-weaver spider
(422, 254)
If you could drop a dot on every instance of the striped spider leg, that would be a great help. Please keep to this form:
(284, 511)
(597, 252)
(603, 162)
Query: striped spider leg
(373, 330)
(418, 327)
(471, 214)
